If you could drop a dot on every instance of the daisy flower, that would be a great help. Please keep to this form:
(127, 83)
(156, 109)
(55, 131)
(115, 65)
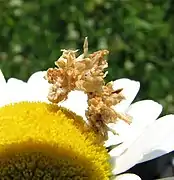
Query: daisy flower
(43, 140)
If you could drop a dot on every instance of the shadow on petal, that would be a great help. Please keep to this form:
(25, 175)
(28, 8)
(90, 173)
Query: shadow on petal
(152, 155)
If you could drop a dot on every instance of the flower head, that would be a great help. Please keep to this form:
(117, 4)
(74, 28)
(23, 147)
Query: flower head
(100, 136)
(40, 140)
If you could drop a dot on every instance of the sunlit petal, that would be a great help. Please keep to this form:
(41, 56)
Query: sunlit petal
(163, 143)
(2, 79)
(146, 143)
(3, 96)
(143, 113)
(130, 90)
(16, 90)
(38, 86)
(127, 176)
(76, 102)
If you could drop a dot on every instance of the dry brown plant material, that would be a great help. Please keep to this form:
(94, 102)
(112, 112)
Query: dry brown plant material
(86, 73)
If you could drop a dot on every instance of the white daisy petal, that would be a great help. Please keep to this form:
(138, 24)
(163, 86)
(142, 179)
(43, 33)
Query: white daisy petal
(127, 176)
(143, 113)
(76, 102)
(38, 86)
(149, 140)
(2, 79)
(130, 90)
(37, 77)
(112, 140)
(3, 96)
(16, 90)
(125, 138)
(123, 130)
(166, 144)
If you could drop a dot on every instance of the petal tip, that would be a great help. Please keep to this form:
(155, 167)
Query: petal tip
(2, 79)
(128, 176)
(36, 76)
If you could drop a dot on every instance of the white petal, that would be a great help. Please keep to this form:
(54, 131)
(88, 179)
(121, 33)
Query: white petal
(120, 127)
(113, 140)
(127, 176)
(16, 90)
(153, 136)
(38, 86)
(76, 102)
(37, 77)
(143, 113)
(165, 146)
(130, 90)
(118, 150)
(3, 96)
(2, 79)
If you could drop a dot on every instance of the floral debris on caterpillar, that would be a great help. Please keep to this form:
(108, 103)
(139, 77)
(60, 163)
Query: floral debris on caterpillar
(86, 73)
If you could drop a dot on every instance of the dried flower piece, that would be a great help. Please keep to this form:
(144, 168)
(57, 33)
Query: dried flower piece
(86, 73)
(100, 109)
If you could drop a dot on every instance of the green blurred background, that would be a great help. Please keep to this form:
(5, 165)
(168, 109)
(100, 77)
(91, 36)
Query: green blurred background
(138, 34)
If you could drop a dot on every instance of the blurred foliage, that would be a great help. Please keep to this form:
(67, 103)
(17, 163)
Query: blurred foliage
(138, 34)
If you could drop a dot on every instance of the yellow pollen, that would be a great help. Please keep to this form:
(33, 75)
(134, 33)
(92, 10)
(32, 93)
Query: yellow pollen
(44, 141)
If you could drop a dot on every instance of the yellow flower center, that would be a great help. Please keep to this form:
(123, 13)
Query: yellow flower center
(43, 141)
